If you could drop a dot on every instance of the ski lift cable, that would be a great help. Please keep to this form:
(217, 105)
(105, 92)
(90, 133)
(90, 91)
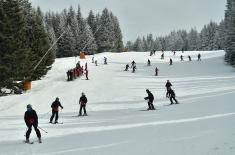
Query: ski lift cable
(48, 51)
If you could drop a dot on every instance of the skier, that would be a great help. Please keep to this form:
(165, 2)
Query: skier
(83, 102)
(150, 99)
(149, 63)
(86, 72)
(172, 96)
(96, 63)
(181, 58)
(162, 56)
(93, 59)
(105, 61)
(189, 58)
(86, 66)
(68, 76)
(168, 87)
(31, 119)
(171, 62)
(132, 63)
(156, 71)
(55, 109)
(174, 52)
(199, 57)
(134, 68)
(127, 67)
(154, 51)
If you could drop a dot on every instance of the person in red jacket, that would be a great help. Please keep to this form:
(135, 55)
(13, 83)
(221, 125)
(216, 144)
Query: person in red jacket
(55, 109)
(31, 119)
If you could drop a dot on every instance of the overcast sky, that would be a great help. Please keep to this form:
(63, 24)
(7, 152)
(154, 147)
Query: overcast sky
(139, 17)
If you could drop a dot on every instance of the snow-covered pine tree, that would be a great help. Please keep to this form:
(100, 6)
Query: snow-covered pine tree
(145, 44)
(138, 45)
(39, 45)
(92, 22)
(129, 46)
(105, 35)
(13, 43)
(118, 43)
(157, 44)
(230, 32)
(150, 42)
(66, 45)
(193, 40)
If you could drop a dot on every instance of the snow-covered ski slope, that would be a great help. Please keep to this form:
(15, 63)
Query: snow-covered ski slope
(118, 123)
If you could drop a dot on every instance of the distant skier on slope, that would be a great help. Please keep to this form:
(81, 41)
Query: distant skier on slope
(171, 62)
(181, 58)
(150, 99)
(156, 71)
(199, 57)
(168, 87)
(189, 58)
(134, 68)
(105, 61)
(149, 63)
(127, 67)
(55, 110)
(96, 63)
(172, 96)
(31, 119)
(132, 63)
(82, 102)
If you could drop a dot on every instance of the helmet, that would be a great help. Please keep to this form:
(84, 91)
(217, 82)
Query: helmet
(29, 106)
(57, 98)
(83, 93)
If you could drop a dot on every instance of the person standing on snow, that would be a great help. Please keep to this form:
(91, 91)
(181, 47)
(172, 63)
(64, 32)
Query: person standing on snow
(134, 68)
(172, 96)
(171, 62)
(127, 67)
(149, 63)
(181, 58)
(189, 58)
(82, 102)
(31, 119)
(150, 99)
(156, 71)
(199, 57)
(105, 61)
(168, 87)
(55, 110)
(132, 63)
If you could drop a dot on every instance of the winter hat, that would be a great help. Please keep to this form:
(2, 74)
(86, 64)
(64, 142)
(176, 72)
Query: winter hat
(29, 106)
(57, 99)
(83, 93)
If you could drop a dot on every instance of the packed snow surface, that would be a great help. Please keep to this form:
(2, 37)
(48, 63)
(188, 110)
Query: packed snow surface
(118, 122)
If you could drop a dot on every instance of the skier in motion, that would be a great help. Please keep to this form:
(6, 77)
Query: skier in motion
(127, 67)
(172, 96)
(82, 102)
(168, 87)
(150, 99)
(199, 57)
(156, 71)
(149, 63)
(55, 110)
(31, 119)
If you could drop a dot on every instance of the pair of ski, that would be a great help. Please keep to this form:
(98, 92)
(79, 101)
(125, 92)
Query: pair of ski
(56, 123)
(30, 142)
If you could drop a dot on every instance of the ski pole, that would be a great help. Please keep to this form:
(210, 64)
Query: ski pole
(42, 129)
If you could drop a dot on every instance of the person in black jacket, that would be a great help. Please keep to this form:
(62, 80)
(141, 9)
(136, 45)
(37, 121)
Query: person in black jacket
(168, 86)
(150, 99)
(31, 119)
(172, 96)
(82, 102)
(55, 109)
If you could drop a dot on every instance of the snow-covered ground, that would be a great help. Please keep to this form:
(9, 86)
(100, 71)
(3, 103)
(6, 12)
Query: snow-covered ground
(202, 124)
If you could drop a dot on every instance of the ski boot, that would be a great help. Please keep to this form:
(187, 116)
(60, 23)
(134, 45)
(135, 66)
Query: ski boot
(39, 140)
(27, 140)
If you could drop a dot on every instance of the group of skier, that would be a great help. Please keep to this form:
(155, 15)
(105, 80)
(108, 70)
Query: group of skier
(170, 93)
(31, 117)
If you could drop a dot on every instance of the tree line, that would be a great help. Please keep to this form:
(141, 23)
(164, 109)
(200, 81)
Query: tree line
(94, 34)
(211, 37)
